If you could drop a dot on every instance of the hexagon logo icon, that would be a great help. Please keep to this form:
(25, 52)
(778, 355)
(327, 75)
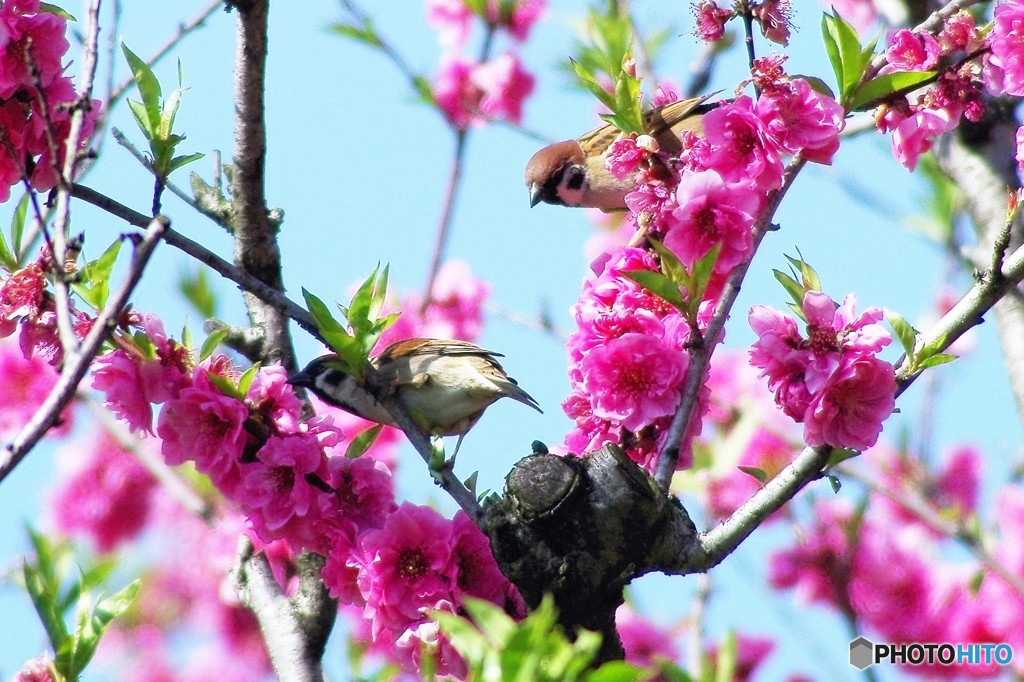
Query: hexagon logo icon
(862, 653)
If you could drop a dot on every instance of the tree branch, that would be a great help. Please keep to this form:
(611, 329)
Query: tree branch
(75, 367)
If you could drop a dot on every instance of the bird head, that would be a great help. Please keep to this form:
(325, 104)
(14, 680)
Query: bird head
(557, 174)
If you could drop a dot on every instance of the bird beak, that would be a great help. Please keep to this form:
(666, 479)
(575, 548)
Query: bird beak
(536, 194)
(300, 378)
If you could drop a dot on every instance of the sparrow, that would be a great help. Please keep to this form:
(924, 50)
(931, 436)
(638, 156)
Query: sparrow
(573, 172)
(444, 384)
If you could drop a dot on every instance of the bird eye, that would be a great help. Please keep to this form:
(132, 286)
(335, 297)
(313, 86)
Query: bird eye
(574, 177)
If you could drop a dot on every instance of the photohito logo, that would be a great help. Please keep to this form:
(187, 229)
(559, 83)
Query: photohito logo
(864, 653)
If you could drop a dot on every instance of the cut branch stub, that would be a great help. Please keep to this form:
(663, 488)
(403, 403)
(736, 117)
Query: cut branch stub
(582, 529)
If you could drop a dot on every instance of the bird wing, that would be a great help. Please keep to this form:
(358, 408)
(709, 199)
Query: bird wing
(664, 124)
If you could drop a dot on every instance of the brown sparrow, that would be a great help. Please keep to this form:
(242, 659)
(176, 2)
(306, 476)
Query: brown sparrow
(573, 173)
(445, 385)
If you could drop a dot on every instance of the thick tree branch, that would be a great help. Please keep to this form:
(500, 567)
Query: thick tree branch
(295, 630)
(77, 365)
(256, 249)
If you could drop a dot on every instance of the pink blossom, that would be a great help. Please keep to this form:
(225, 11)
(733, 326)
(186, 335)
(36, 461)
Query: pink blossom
(633, 379)
(203, 425)
(713, 211)
(405, 567)
(451, 19)
(475, 570)
(103, 493)
(505, 85)
(861, 13)
(270, 395)
(363, 495)
(37, 36)
(891, 584)
(818, 566)
(525, 13)
(858, 397)
(1018, 145)
(667, 92)
(803, 120)
(470, 93)
(1007, 44)
(456, 303)
(624, 157)
(959, 33)
(774, 17)
(119, 377)
(645, 642)
(710, 20)
(275, 493)
(22, 294)
(742, 150)
(914, 135)
(912, 51)
(27, 382)
(341, 571)
(750, 653)
(424, 637)
(959, 480)
(36, 670)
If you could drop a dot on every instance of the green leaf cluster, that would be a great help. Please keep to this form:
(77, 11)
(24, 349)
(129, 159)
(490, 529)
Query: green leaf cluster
(849, 60)
(354, 342)
(683, 289)
(920, 356)
(12, 251)
(55, 591)
(497, 648)
(93, 281)
(609, 49)
(801, 279)
(155, 117)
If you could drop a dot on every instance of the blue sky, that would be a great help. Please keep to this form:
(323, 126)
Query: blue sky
(359, 169)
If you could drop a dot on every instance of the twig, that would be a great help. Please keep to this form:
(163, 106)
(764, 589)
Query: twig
(120, 138)
(720, 541)
(700, 355)
(75, 367)
(199, 252)
(917, 505)
(183, 31)
(444, 225)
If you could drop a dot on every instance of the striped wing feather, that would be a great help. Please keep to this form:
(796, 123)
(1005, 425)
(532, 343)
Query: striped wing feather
(663, 124)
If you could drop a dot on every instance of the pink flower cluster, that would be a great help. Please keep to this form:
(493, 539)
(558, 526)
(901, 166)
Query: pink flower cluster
(293, 482)
(414, 563)
(884, 566)
(25, 305)
(957, 92)
(27, 383)
(713, 192)
(471, 91)
(773, 16)
(35, 93)
(627, 361)
(831, 381)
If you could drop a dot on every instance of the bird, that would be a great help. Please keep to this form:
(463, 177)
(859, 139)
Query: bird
(444, 384)
(573, 173)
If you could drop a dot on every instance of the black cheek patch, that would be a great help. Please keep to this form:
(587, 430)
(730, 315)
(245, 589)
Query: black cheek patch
(575, 178)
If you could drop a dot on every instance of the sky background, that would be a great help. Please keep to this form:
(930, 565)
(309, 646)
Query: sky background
(360, 169)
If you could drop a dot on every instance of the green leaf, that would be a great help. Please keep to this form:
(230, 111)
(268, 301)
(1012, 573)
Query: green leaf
(491, 620)
(838, 456)
(336, 336)
(936, 360)
(18, 220)
(905, 333)
(225, 386)
(617, 671)
(844, 52)
(834, 483)
(659, 285)
(245, 381)
(94, 287)
(725, 662)
(703, 268)
(215, 338)
(886, 84)
(808, 275)
(60, 12)
(363, 441)
(760, 474)
(364, 34)
(179, 161)
(795, 290)
(149, 91)
(196, 290)
(591, 84)
(96, 622)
